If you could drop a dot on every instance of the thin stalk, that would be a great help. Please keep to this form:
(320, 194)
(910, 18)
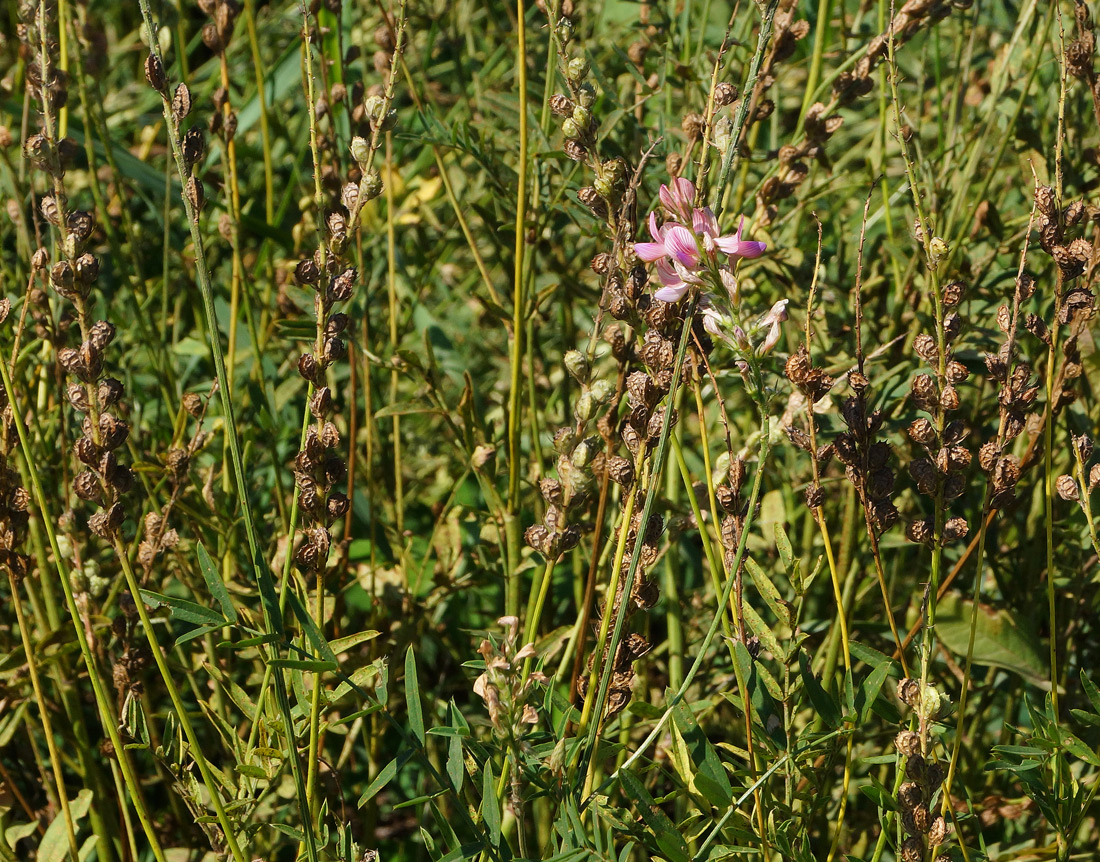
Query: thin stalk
(44, 713)
(103, 702)
(515, 418)
(177, 704)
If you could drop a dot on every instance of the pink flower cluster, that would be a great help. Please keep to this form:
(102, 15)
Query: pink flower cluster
(681, 252)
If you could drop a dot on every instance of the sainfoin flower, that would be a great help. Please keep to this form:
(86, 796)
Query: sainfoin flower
(680, 251)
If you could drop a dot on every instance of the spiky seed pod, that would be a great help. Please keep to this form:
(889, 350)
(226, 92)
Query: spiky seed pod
(937, 832)
(920, 532)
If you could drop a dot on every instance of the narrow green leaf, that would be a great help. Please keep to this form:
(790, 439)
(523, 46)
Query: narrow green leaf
(184, 610)
(769, 592)
(823, 703)
(315, 666)
(668, 838)
(711, 778)
(385, 776)
(489, 811)
(783, 545)
(456, 771)
(215, 584)
(310, 628)
(412, 696)
(1091, 690)
(342, 645)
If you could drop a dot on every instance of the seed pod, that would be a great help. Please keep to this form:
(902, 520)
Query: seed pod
(1067, 488)
(102, 334)
(937, 832)
(922, 431)
(909, 692)
(919, 532)
(912, 850)
(195, 194)
(337, 506)
(954, 529)
(910, 794)
(154, 73)
(320, 405)
(181, 102)
(724, 94)
(342, 286)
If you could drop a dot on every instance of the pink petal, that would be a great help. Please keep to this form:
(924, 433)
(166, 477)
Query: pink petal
(653, 231)
(650, 251)
(704, 222)
(678, 198)
(685, 190)
(680, 243)
(740, 248)
(667, 274)
(671, 294)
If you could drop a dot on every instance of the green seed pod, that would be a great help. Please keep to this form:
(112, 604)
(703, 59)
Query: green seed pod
(578, 69)
(577, 365)
(360, 149)
(602, 390)
(582, 116)
(583, 411)
(570, 129)
(603, 186)
(586, 95)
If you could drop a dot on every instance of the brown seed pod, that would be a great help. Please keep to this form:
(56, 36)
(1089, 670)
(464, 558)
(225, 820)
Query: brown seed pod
(907, 743)
(909, 692)
(154, 73)
(1067, 488)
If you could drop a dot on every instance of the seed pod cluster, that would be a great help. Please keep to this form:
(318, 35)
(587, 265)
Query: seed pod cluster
(813, 384)
(102, 478)
(925, 830)
(910, 19)
(866, 459)
(14, 498)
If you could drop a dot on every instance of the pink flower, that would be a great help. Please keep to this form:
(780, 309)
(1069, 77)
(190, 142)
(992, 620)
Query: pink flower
(679, 251)
(706, 226)
(678, 198)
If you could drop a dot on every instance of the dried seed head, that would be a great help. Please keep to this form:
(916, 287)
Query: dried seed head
(909, 692)
(922, 431)
(342, 285)
(907, 743)
(1067, 488)
(912, 850)
(954, 529)
(953, 294)
(926, 348)
(181, 102)
(910, 794)
(921, 533)
(724, 94)
(102, 334)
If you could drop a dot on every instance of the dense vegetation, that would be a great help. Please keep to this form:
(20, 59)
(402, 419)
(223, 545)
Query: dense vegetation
(445, 429)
